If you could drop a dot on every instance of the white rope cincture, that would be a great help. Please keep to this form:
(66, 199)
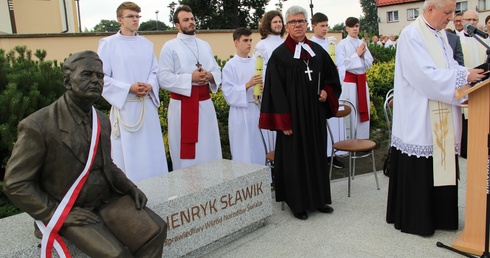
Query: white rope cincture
(130, 128)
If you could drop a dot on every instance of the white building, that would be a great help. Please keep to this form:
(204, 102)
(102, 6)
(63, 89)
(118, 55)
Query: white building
(394, 15)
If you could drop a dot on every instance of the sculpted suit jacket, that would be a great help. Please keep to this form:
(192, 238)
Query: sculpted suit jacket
(48, 157)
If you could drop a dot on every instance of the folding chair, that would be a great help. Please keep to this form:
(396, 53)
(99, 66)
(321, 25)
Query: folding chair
(352, 145)
(388, 110)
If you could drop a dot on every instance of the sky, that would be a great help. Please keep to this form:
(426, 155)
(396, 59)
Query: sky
(92, 11)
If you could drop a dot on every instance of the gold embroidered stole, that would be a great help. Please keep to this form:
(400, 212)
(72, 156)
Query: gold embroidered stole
(441, 117)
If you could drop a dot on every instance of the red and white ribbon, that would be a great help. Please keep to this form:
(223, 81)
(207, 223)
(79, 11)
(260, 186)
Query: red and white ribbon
(50, 231)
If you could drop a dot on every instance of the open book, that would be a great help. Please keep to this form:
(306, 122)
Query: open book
(485, 67)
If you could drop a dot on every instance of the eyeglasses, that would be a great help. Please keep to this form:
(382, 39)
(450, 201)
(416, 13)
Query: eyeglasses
(458, 21)
(475, 20)
(294, 22)
(130, 16)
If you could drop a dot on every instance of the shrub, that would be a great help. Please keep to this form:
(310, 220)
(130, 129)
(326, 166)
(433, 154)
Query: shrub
(382, 54)
(380, 79)
(26, 85)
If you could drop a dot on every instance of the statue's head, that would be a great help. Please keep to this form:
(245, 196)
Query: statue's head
(83, 77)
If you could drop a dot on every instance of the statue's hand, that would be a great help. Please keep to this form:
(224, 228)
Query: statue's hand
(79, 216)
(138, 196)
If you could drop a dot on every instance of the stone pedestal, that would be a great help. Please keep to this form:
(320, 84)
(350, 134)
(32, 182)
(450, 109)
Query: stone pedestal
(205, 206)
(209, 204)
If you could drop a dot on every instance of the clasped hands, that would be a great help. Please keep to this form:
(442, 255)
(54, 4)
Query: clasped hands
(80, 216)
(140, 89)
(201, 76)
(361, 49)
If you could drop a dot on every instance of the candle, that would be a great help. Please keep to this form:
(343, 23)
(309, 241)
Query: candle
(259, 65)
(331, 51)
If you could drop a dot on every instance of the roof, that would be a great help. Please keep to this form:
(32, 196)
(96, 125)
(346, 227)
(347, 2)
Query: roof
(380, 3)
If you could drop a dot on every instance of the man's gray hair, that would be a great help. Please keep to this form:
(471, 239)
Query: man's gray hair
(293, 10)
(435, 3)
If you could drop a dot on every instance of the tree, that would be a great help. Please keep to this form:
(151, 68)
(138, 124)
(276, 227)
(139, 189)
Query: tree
(226, 14)
(151, 25)
(369, 21)
(107, 26)
(340, 27)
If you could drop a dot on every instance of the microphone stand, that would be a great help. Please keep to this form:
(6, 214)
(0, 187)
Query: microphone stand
(472, 34)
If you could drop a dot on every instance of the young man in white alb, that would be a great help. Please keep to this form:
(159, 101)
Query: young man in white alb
(238, 84)
(131, 87)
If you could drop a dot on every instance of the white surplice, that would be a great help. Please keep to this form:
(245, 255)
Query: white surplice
(336, 124)
(127, 60)
(245, 140)
(178, 60)
(264, 48)
(417, 80)
(474, 52)
(348, 61)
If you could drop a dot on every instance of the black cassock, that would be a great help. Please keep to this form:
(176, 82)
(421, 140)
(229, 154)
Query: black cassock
(290, 102)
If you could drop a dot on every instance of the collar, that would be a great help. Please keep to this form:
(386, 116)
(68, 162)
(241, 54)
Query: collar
(124, 36)
(273, 37)
(242, 59)
(183, 36)
(428, 25)
(76, 112)
(295, 47)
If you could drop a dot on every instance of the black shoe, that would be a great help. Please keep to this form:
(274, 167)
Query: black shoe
(336, 163)
(301, 215)
(326, 209)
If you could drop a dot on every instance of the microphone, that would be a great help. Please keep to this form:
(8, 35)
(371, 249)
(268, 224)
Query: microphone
(473, 30)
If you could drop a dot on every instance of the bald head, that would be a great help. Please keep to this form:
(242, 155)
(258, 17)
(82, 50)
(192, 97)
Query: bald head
(470, 16)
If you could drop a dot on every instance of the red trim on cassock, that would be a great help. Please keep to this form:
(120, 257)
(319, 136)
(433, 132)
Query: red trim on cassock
(189, 119)
(333, 102)
(278, 122)
(362, 105)
(291, 45)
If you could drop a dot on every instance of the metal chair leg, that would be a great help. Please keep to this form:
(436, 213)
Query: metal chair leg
(350, 174)
(353, 166)
(374, 169)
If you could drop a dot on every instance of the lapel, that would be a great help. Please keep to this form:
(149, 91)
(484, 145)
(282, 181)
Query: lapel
(71, 132)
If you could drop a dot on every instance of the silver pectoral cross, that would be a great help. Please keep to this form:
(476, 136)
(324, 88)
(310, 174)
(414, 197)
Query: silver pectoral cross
(308, 71)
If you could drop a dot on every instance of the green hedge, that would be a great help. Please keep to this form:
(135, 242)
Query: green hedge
(28, 84)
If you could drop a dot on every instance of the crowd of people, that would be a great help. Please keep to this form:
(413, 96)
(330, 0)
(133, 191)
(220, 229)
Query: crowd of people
(299, 83)
(383, 41)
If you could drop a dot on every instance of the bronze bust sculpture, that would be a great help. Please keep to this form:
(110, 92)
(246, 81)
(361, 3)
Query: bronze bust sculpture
(51, 152)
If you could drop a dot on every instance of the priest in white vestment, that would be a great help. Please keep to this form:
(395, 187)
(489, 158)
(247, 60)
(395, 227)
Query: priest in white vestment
(353, 60)
(474, 52)
(319, 24)
(131, 87)
(423, 194)
(239, 79)
(187, 69)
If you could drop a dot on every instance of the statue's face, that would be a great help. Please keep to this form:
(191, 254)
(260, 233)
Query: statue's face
(87, 80)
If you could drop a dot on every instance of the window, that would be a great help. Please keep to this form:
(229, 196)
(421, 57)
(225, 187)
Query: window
(461, 6)
(483, 5)
(413, 13)
(392, 16)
